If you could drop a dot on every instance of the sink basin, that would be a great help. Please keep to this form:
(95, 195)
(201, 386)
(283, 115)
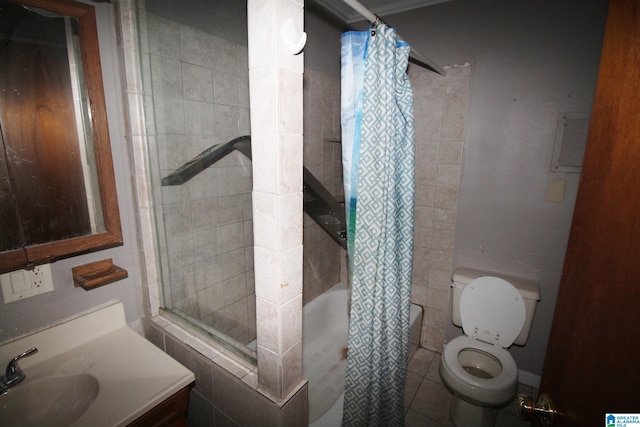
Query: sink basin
(90, 370)
(52, 401)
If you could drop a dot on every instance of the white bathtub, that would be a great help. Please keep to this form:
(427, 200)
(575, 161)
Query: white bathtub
(324, 334)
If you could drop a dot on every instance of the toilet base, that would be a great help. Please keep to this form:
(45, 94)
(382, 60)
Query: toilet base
(465, 414)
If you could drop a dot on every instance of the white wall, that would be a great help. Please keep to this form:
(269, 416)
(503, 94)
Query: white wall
(20, 317)
(531, 61)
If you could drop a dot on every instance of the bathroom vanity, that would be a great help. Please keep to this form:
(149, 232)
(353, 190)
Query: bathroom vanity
(94, 370)
(171, 412)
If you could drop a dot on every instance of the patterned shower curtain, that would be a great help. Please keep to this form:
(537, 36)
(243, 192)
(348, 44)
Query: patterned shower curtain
(378, 162)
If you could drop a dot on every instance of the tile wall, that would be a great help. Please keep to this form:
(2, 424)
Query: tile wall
(440, 110)
(441, 106)
(225, 388)
(198, 95)
(225, 384)
(276, 76)
(323, 158)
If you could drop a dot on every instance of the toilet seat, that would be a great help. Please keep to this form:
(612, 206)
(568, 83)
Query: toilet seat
(506, 379)
(492, 310)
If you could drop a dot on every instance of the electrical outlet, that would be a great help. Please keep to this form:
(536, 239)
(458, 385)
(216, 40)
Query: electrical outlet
(41, 276)
(17, 285)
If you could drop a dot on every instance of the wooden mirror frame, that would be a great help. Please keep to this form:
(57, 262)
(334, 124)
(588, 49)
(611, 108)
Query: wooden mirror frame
(112, 236)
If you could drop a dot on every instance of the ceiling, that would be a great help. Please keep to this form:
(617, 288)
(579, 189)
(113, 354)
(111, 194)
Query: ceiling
(379, 7)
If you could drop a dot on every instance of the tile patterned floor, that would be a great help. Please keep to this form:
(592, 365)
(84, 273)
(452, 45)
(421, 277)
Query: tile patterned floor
(427, 399)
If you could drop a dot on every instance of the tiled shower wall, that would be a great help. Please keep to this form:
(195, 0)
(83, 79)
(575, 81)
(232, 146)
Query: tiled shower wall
(440, 108)
(207, 221)
(200, 98)
(323, 158)
(234, 380)
(192, 82)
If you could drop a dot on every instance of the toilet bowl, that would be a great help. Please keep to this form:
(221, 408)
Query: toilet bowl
(484, 374)
(477, 367)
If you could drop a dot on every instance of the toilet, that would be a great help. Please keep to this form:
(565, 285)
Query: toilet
(495, 311)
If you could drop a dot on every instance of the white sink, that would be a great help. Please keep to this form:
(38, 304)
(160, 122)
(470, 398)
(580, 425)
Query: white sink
(89, 370)
(56, 401)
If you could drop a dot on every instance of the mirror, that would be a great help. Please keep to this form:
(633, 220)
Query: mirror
(57, 188)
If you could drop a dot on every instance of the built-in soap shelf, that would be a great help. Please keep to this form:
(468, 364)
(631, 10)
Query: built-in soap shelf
(96, 274)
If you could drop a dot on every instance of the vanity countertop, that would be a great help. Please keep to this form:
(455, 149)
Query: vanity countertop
(133, 374)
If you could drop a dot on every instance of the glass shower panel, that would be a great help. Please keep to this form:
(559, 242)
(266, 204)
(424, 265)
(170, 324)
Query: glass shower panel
(196, 85)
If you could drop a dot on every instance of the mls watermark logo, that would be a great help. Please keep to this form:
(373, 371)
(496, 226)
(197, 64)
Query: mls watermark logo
(622, 420)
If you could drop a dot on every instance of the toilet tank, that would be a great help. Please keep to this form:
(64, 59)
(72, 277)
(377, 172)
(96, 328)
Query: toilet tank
(529, 289)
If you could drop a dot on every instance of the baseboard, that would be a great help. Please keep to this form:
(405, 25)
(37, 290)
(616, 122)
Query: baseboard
(527, 378)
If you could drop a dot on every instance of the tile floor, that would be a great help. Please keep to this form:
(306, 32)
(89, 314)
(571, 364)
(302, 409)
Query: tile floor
(427, 399)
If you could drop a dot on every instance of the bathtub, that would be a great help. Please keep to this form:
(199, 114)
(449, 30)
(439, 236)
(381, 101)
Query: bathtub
(324, 330)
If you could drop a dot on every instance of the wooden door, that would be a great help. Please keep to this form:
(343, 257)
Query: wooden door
(592, 366)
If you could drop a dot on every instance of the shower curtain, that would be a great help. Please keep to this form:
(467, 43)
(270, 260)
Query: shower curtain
(378, 163)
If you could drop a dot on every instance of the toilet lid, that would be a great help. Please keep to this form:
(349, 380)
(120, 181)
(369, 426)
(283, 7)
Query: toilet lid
(492, 310)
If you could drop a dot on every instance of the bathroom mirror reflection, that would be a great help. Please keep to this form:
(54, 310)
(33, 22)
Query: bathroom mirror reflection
(57, 191)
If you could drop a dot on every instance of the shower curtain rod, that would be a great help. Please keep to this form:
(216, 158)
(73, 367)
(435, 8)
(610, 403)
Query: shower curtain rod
(372, 17)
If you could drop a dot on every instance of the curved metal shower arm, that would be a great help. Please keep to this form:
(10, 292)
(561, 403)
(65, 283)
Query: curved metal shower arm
(207, 158)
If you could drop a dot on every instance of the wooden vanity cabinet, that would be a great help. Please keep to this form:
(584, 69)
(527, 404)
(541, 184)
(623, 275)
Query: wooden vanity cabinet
(170, 413)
